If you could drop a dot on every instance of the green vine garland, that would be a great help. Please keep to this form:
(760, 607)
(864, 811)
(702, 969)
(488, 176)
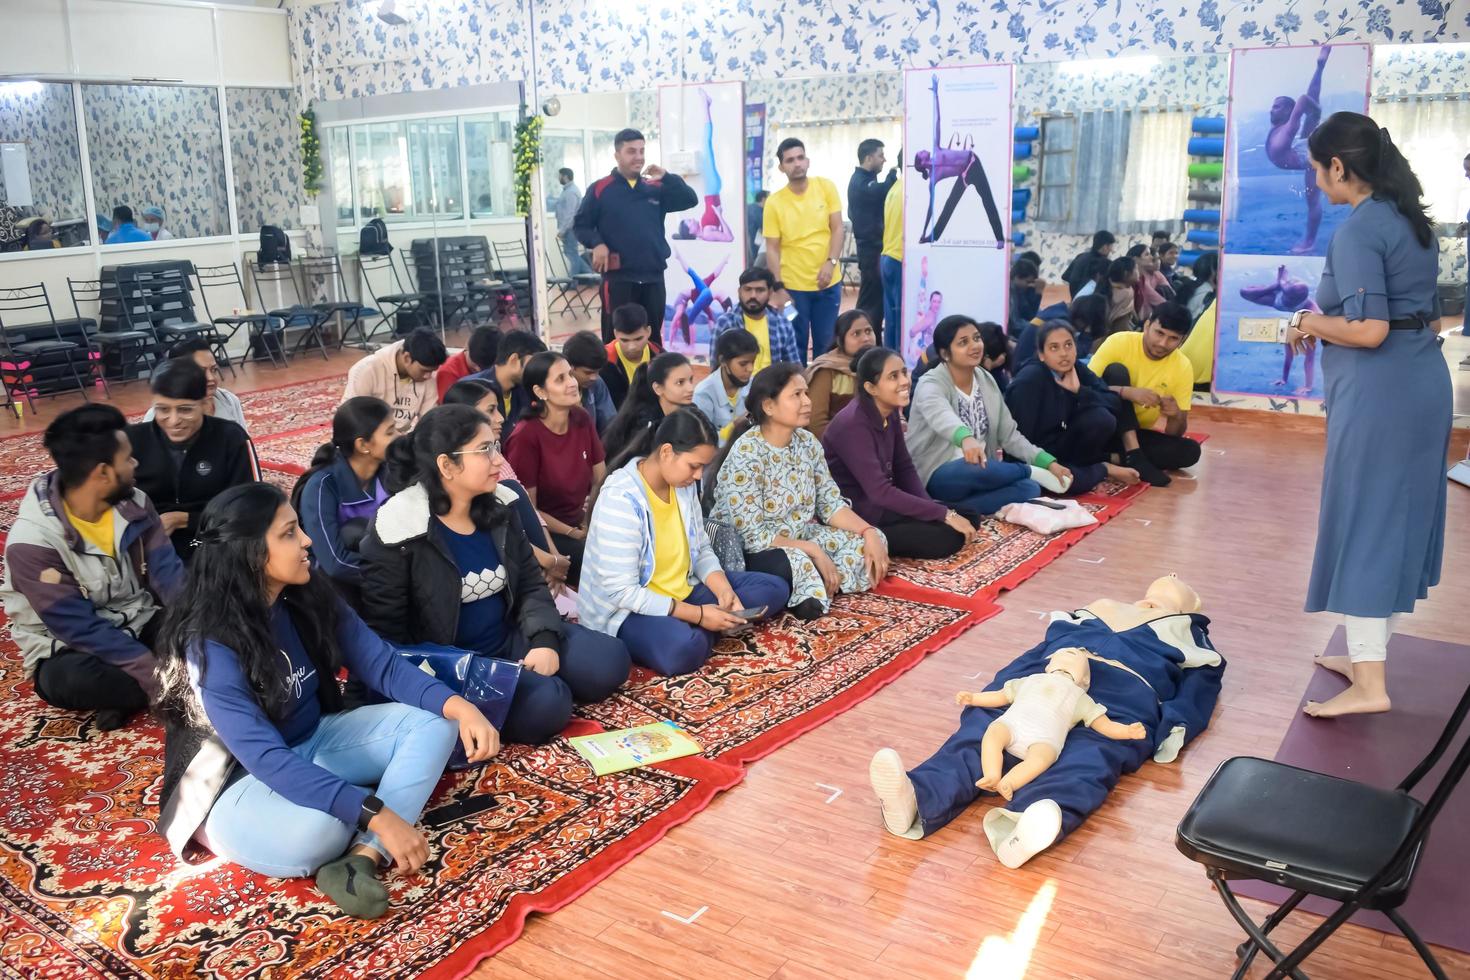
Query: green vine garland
(311, 153)
(527, 156)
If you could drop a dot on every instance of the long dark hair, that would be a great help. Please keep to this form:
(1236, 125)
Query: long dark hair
(537, 370)
(468, 391)
(641, 409)
(867, 368)
(224, 602)
(1368, 153)
(1089, 315)
(683, 430)
(1203, 270)
(767, 385)
(356, 418)
(414, 458)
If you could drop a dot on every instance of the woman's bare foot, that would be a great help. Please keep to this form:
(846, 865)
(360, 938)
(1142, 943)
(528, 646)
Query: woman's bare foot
(1354, 701)
(1125, 475)
(1338, 665)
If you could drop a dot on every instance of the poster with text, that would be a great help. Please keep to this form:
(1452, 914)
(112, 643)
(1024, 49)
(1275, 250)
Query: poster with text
(702, 138)
(1277, 223)
(957, 196)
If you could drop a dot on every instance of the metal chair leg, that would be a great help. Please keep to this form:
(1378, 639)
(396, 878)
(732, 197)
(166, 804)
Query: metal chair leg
(1309, 945)
(1257, 937)
(1419, 945)
(1247, 950)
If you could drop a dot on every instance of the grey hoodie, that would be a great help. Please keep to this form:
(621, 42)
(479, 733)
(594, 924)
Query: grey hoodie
(936, 430)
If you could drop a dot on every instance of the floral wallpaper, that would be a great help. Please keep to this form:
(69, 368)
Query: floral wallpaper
(41, 115)
(265, 153)
(1409, 71)
(1196, 81)
(341, 50)
(158, 144)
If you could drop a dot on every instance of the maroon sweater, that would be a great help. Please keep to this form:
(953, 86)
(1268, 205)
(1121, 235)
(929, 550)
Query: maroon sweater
(870, 463)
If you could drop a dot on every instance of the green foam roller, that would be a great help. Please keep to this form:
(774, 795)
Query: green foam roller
(1020, 172)
(1206, 171)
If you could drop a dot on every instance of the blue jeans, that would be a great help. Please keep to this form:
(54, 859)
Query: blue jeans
(892, 270)
(576, 264)
(593, 666)
(816, 317)
(982, 489)
(398, 748)
(671, 646)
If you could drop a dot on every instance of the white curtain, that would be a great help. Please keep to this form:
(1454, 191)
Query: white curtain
(832, 149)
(1431, 133)
(1156, 178)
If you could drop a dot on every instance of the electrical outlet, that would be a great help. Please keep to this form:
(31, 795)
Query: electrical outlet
(685, 163)
(1262, 329)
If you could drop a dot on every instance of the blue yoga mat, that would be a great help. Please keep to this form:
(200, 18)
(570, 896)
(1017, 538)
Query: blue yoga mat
(1202, 236)
(1206, 146)
(1211, 125)
(1021, 151)
(1026, 134)
(1202, 216)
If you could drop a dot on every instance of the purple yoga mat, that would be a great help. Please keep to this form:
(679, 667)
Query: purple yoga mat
(1426, 679)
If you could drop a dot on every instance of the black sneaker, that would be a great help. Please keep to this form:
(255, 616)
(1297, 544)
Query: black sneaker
(807, 610)
(110, 720)
(1147, 471)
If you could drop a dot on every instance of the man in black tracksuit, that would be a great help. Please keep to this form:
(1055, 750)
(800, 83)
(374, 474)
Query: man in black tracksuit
(865, 194)
(622, 221)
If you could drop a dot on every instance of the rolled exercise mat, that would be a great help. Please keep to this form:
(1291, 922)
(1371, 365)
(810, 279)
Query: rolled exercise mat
(1201, 196)
(1210, 125)
(1020, 197)
(1189, 257)
(1202, 216)
(1025, 134)
(1018, 238)
(1203, 236)
(1018, 215)
(1020, 172)
(1207, 146)
(1020, 151)
(1206, 171)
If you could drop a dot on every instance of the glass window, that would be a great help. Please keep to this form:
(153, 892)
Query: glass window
(340, 160)
(380, 154)
(433, 146)
(265, 156)
(562, 149)
(489, 143)
(1058, 150)
(38, 149)
(155, 150)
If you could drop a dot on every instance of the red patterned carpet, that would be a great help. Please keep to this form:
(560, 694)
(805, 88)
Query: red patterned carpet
(291, 452)
(88, 889)
(1001, 558)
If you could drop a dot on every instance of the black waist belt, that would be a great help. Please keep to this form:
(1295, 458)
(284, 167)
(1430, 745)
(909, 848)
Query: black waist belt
(1407, 324)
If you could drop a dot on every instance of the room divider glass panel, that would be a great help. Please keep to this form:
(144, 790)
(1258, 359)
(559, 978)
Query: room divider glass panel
(380, 154)
(433, 149)
(39, 155)
(156, 150)
(489, 140)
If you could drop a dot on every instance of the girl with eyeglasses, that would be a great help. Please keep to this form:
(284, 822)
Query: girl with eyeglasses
(448, 562)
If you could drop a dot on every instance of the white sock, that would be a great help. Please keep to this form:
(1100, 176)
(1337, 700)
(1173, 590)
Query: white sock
(1367, 638)
(1049, 480)
(895, 792)
(1017, 838)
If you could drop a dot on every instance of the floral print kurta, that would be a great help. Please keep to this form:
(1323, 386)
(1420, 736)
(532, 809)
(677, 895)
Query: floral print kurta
(766, 491)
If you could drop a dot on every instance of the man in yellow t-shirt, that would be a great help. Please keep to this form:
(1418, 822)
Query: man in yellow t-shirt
(803, 229)
(1200, 347)
(1148, 370)
(890, 264)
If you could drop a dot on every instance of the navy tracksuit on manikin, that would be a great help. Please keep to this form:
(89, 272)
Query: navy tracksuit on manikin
(1171, 685)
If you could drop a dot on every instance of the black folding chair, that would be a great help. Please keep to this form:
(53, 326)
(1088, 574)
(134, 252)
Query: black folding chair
(325, 272)
(35, 360)
(1318, 835)
(385, 286)
(128, 352)
(568, 287)
(286, 306)
(264, 331)
(513, 266)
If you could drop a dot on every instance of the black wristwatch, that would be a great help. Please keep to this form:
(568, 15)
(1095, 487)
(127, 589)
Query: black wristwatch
(371, 807)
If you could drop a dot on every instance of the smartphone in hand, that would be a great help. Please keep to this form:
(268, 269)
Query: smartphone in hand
(750, 615)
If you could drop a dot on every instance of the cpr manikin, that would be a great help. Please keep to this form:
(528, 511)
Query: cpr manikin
(1042, 709)
(1159, 667)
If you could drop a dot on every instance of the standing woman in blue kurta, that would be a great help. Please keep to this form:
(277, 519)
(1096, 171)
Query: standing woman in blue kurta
(1380, 536)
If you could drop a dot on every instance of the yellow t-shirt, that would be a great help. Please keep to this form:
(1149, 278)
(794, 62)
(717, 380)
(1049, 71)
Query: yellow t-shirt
(670, 547)
(628, 366)
(1171, 376)
(893, 221)
(1199, 347)
(800, 222)
(99, 533)
(760, 329)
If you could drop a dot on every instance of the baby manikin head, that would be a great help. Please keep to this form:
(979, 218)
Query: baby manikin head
(1170, 593)
(1071, 661)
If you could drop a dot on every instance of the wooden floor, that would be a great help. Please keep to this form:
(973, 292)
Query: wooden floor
(790, 882)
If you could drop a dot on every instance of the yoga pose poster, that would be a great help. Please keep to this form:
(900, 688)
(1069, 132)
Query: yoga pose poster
(703, 132)
(957, 193)
(1277, 98)
(1258, 293)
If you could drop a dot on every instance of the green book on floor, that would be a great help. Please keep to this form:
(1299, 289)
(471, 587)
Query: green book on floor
(629, 748)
